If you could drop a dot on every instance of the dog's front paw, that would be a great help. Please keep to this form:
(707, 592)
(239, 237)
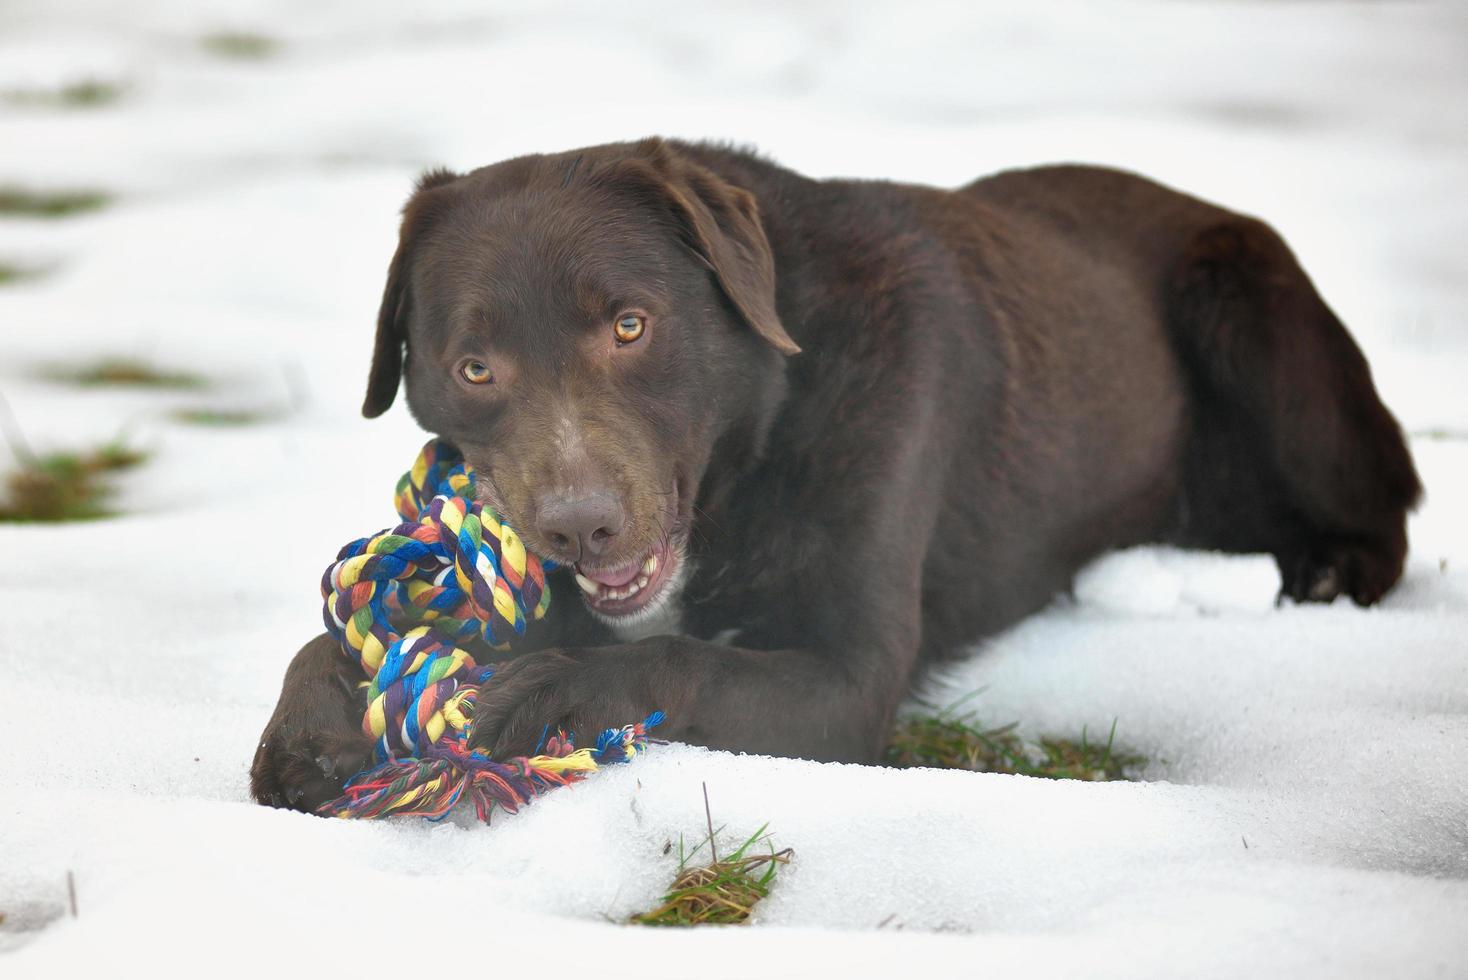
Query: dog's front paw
(314, 742)
(579, 692)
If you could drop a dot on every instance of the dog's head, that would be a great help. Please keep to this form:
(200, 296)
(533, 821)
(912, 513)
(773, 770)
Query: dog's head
(589, 328)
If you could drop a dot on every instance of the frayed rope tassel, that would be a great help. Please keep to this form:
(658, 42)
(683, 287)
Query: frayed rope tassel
(452, 570)
(432, 785)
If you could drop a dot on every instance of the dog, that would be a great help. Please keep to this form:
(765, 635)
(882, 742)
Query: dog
(794, 442)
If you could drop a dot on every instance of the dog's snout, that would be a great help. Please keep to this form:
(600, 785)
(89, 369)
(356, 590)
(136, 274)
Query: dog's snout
(580, 527)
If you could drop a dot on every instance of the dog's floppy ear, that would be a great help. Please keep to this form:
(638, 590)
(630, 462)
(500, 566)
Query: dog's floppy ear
(392, 322)
(721, 224)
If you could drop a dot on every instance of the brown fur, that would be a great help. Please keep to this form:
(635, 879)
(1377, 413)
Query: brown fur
(881, 422)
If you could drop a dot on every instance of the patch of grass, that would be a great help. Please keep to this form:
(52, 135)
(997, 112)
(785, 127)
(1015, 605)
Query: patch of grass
(240, 45)
(89, 93)
(20, 202)
(124, 372)
(947, 739)
(1439, 434)
(67, 486)
(720, 892)
(84, 93)
(15, 273)
(222, 418)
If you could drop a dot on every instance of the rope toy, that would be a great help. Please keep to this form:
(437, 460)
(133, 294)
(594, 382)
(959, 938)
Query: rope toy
(400, 603)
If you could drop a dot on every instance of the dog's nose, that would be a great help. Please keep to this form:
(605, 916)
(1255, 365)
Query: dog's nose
(580, 527)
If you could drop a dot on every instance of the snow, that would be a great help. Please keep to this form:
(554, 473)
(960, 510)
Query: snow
(1306, 805)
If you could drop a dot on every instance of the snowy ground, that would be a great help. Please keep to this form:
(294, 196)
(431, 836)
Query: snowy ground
(1308, 809)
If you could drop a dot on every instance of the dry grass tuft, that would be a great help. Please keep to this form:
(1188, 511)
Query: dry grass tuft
(66, 486)
(10, 273)
(240, 45)
(84, 93)
(720, 892)
(20, 202)
(123, 372)
(220, 418)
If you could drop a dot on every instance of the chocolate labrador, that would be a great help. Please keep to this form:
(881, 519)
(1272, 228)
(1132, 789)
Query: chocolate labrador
(794, 441)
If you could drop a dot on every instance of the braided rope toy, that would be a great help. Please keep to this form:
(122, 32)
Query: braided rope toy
(399, 603)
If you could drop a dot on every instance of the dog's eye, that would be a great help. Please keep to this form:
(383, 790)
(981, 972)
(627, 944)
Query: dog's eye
(629, 328)
(476, 372)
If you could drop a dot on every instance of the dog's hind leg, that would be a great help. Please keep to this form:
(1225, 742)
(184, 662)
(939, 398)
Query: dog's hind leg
(1292, 451)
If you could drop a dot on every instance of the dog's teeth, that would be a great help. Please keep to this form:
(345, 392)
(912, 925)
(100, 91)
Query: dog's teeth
(650, 566)
(587, 585)
(634, 587)
(642, 581)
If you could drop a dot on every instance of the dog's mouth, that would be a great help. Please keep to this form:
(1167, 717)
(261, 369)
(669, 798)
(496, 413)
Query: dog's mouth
(625, 590)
